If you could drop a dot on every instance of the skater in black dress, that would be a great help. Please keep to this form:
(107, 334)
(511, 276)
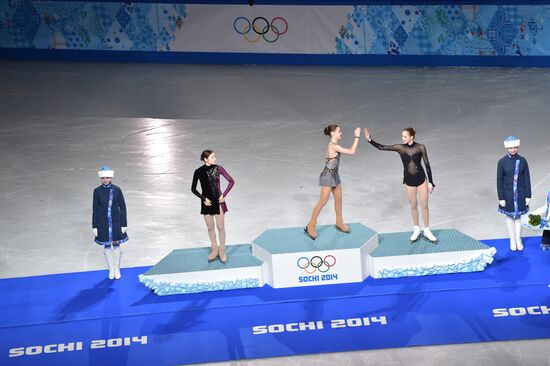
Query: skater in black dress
(414, 178)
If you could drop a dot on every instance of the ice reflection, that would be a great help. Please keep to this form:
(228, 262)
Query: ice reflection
(158, 145)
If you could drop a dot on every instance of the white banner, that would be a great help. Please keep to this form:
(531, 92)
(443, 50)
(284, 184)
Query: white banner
(260, 29)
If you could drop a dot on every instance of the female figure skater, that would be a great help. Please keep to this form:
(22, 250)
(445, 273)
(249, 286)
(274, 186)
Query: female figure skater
(213, 205)
(414, 178)
(329, 179)
(109, 220)
(514, 190)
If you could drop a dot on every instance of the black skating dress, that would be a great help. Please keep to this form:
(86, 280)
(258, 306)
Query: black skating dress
(411, 156)
(209, 177)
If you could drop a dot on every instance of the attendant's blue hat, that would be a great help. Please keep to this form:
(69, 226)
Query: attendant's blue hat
(511, 141)
(106, 172)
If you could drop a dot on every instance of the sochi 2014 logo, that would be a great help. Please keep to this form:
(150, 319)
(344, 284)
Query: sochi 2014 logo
(316, 263)
(259, 27)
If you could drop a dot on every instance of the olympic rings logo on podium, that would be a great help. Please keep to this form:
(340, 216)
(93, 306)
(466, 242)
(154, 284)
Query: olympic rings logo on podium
(316, 263)
(260, 27)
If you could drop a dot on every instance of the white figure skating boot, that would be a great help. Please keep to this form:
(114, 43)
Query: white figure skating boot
(416, 234)
(429, 235)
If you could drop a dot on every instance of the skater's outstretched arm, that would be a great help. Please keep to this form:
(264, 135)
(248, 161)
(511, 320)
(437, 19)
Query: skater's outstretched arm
(368, 137)
(353, 148)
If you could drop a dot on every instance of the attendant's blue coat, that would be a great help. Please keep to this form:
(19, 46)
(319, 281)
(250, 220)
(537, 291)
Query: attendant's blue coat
(515, 206)
(100, 215)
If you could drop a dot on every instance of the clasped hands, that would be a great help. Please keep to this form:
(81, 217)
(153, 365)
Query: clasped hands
(207, 201)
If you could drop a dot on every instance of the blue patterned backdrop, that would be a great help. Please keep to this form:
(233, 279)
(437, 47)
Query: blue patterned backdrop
(454, 30)
(88, 25)
(407, 30)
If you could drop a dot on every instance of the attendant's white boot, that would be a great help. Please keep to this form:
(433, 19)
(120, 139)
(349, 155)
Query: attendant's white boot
(110, 263)
(116, 254)
(519, 243)
(416, 234)
(512, 233)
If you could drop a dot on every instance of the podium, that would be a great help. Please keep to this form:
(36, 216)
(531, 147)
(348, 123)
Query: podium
(293, 259)
(287, 257)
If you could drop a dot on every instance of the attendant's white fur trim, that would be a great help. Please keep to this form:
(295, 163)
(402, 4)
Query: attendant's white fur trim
(106, 173)
(509, 144)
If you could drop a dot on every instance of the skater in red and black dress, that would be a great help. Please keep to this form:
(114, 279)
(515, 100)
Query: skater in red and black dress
(213, 206)
(417, 186)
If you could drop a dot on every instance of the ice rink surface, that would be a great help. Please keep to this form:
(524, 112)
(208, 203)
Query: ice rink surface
(150, 122)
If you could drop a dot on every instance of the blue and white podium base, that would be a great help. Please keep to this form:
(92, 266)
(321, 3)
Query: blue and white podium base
(186, 271)
(86, 319)
(454, 252)
(287, 257)
(293, 259)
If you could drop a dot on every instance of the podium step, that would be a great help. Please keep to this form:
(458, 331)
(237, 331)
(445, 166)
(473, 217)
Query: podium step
(294, 259)
(454, 252)
(186, 271)
(295, 240)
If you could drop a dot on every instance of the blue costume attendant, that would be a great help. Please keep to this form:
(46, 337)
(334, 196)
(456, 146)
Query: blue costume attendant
(109, 215)
(513, 189)
(109, 220)
(513, 185)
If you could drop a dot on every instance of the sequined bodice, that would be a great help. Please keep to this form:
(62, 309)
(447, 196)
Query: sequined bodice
(331, 164)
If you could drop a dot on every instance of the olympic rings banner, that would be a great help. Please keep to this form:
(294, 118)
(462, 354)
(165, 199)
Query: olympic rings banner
(268, 31)
(491, 30)
(260, 29)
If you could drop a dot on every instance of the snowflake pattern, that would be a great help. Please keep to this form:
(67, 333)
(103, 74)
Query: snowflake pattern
(453, 30)
(85, 25)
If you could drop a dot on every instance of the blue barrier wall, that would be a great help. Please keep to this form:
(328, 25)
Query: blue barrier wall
(359, 33)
